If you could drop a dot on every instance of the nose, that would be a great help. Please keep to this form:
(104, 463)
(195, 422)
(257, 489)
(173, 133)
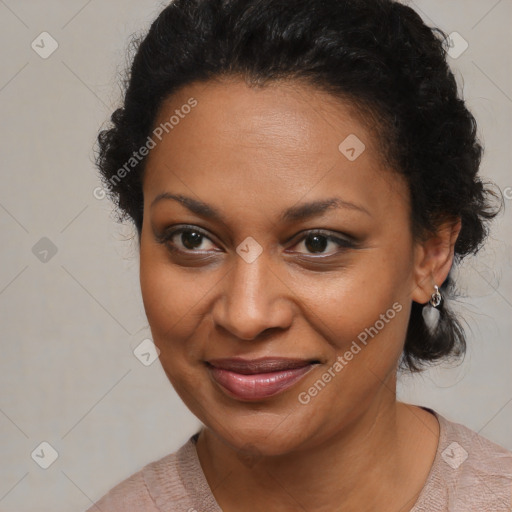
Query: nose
(253, 300)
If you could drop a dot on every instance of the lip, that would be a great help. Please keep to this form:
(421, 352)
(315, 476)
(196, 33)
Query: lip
(256, 379)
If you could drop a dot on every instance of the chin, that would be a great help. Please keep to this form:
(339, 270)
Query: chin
(259, 433)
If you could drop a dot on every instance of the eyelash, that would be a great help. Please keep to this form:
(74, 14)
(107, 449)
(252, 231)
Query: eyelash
(166, 237)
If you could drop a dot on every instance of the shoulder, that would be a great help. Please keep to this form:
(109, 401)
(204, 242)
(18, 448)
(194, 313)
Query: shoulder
(130, 495)
(469, 472)
(154, 488)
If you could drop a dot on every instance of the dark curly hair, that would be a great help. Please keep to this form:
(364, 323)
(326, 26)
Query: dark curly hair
(377, 54)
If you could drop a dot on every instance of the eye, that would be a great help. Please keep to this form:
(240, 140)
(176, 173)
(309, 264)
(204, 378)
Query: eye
(190, 239)
(316, 242)
(186, 239)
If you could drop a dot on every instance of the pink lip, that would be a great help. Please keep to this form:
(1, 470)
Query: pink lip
(257, 378)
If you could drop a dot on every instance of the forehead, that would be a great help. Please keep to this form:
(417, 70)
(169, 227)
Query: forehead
(295, 117)
(283, 139)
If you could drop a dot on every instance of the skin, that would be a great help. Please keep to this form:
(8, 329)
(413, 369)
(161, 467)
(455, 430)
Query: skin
(251, 153)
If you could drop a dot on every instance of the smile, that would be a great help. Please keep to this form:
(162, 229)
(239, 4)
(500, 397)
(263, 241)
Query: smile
(258, 378)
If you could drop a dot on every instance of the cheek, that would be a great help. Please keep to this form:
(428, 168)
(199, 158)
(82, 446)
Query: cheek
(170, 301)
(176, 301)
(368, 298)
(363, 314)
(365, 327)
(169, 292)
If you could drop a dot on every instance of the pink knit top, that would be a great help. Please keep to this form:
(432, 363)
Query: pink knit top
(469, 474)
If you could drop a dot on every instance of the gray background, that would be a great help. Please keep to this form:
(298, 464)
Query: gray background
(71, 320)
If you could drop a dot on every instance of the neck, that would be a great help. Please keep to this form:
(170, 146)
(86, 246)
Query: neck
(367, 463)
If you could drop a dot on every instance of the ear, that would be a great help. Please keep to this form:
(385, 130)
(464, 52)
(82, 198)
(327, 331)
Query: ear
(433, 260)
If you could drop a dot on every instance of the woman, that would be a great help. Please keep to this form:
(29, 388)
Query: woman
(302, 177)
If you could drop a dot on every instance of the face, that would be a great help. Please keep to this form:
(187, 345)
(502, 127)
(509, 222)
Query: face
(267, 245)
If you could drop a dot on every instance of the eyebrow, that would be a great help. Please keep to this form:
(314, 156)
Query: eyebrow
(295, 213)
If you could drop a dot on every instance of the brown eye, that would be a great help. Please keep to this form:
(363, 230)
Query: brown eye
(191, 239)
(186, 240)
(317, 242)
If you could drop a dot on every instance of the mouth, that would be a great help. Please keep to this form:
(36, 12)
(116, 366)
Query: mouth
(256, 379)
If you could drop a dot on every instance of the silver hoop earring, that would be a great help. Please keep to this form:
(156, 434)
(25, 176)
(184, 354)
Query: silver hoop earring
(430, 312)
